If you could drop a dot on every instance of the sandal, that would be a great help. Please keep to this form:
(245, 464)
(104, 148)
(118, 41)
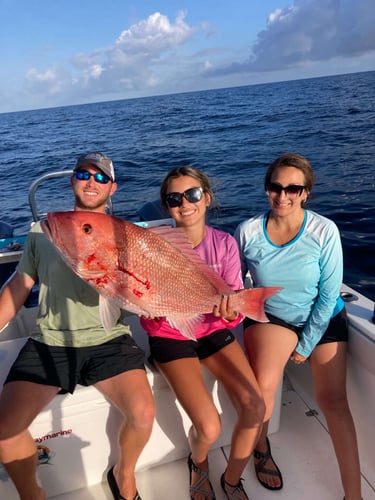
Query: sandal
(238, 493)
(261, 469)
(114, 488)
(197, 487)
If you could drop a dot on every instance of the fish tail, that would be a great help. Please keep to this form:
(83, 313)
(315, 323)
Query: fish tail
(250, 302)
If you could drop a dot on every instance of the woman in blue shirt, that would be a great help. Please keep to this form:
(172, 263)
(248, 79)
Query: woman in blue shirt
(299, 250)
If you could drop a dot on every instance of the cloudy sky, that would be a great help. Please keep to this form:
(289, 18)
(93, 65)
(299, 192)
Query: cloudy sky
(62, 52)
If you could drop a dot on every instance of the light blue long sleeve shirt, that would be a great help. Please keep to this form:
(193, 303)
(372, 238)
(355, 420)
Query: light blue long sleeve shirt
(309, 268)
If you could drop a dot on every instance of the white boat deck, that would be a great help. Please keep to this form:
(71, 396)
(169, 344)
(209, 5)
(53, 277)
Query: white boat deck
(301, 447)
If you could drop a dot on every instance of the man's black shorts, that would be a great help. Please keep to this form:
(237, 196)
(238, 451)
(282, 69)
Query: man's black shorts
(65, 367)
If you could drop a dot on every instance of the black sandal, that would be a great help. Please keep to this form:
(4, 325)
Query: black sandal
(237, 493)
(114, 488)
(261, 469)
(197, 487)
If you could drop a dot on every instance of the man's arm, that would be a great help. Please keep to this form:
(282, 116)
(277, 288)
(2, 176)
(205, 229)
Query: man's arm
(13, 295)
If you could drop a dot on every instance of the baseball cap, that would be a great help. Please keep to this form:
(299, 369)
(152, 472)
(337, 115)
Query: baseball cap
(98, 160)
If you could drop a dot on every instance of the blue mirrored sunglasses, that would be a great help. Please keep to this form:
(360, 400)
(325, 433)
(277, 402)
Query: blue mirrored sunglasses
(84, 175)
(192, 195)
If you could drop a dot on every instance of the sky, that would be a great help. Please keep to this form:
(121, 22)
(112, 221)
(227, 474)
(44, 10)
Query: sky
(65, 52)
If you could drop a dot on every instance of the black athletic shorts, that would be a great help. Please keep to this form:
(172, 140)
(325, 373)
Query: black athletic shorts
(164, 350)
(65, 367)
(337, 330)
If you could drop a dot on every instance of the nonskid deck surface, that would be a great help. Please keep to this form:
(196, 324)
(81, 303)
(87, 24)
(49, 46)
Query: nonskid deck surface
(301, 447)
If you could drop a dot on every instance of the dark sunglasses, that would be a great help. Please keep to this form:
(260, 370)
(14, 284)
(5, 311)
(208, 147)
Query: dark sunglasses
(293, 190)
(84, 175)
(192, 195)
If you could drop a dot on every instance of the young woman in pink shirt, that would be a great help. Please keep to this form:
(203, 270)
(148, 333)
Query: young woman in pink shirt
(186, 194)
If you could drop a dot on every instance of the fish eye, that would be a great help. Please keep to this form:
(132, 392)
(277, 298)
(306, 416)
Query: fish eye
(87, 228)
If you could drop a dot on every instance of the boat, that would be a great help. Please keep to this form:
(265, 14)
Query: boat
(76, 435)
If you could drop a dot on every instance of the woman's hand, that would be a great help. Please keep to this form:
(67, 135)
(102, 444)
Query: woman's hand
(225, 309)
(298, 359)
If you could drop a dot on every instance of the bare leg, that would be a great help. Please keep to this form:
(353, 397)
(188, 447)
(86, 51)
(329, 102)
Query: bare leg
(130, 392)
(20, 403)
(269, 347)
(186, 379)
(328, 365)
(231, 367)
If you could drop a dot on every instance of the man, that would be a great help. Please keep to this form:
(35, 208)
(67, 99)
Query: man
(68, 345)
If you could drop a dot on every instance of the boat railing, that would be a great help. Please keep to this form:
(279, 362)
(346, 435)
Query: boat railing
(34, 186)
(45, 177)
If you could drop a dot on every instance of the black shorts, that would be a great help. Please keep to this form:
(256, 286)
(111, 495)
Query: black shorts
(164, 350)
(337, 330)
(65, 367)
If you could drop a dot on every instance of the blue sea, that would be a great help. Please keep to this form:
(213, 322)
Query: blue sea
(232, 134)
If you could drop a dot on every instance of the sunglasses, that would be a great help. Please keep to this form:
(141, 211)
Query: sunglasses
(292, 191)
(84, 175)
(192, 195)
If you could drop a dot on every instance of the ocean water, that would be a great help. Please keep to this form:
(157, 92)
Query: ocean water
(232, 134)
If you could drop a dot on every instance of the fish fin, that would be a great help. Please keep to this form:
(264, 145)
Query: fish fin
(186, 326)
(109, 313)
(250, 302)
(177, 238)
(134, 308)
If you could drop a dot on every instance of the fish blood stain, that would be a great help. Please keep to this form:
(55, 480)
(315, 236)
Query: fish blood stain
(145, 283)
(92, 259)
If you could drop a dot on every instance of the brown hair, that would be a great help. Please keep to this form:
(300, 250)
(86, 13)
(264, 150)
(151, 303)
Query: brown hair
(185, 171)
(292, 160)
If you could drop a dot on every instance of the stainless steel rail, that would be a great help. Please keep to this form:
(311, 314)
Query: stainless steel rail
(51, 175)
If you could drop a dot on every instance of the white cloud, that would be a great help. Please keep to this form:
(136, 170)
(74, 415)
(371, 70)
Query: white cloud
(155, 34)
(50, 82)
(156, 55)
(136, 61)
(309, 31)
(48, 76)
(96, 71)
(143, 46)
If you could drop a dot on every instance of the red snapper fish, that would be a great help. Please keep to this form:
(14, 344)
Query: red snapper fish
(150, 272)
